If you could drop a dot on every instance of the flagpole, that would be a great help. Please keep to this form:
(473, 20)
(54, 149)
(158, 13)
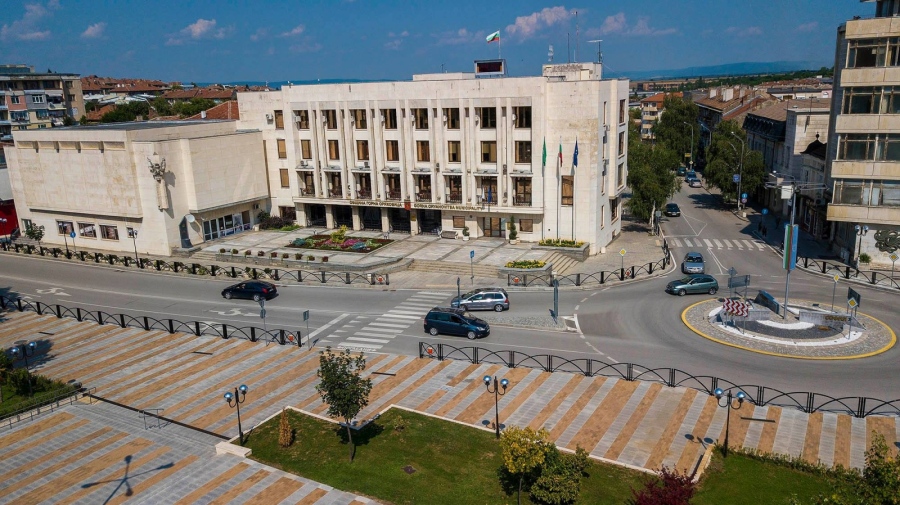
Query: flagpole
(573, 202)
(558, 187)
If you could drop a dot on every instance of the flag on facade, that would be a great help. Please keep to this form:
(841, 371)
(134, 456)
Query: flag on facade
(544, 157)
(560, 152)
(493, 37)
(575, 156)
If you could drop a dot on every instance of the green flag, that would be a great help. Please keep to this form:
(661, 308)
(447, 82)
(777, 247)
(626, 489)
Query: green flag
(544, 157)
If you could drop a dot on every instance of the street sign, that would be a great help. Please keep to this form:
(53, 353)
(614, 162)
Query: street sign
(836, 277)
(743, 200)
(853, 295)
(743, 195)
(262, 313)
(765, 211)
(735, 307)
(852, 303)
(791, 234)
(736, 178)
(306, 315)
(894, 257)
(738, 282)
(622, 252)
(471, 254)
(732, 272)
(72, 234)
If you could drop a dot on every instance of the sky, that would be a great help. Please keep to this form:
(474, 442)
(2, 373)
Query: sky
(239, 41)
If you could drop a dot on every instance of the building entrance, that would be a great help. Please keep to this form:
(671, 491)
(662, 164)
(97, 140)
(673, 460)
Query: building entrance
(315, 215)
(493, 227)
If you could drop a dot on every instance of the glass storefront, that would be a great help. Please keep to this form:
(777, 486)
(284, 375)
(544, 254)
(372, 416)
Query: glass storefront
(228, 224)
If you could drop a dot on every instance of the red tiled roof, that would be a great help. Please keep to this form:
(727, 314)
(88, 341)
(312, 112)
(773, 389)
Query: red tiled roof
(208, 93)
(96, 114)
(225, 110)
(95, 84)
(777, 111)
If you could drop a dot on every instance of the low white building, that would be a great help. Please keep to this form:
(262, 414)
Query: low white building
(450, 151)
(175, 183)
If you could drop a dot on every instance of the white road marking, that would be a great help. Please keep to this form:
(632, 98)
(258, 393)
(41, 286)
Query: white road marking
(327, 325)
(718, 244)
(727, 243)
(53, 291)
(708, 243)
(719, 263)
(577, 307)
(677, 242)
(233, 313)
(373, 340)
(388, 325)
(688, 243)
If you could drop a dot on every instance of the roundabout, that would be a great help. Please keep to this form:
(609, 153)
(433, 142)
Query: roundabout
(809, 331)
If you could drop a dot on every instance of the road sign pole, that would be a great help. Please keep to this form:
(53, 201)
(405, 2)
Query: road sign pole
(787, 260)
(472, 266)
(834, 290)
(458, 292)
(894, 257)
(555, 299)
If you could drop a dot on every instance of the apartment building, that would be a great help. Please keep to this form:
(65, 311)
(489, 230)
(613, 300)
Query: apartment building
(864, 144)
(35, 100)
(652, 108)
(450, 151)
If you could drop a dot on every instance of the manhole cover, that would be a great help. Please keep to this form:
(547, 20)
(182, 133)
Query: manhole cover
(408, 469)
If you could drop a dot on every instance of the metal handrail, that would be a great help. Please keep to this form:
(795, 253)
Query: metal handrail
(36, 408)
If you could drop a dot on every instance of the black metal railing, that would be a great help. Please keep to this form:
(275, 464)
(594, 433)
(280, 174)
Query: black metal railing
(45, 404)
(848, 272)
(809, 402)
(148, 323)
(233, 272)
(601, 277)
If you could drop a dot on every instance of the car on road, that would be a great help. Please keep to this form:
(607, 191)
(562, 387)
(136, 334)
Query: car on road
(693, 263)
(681, 171)
(695, 283)
(495, 299)
(255, 290)
(455, 321)
(694, 183)
(672, 209)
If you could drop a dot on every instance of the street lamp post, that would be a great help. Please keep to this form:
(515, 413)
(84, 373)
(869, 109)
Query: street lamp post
(740, 170)
(235, 400)
(692, 143)
(503, 383)
(741, 396)
(132, 233)
(22, 350)
(860, 232)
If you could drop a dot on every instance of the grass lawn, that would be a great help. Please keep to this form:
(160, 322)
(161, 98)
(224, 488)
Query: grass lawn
(454, 464)
(740, 480)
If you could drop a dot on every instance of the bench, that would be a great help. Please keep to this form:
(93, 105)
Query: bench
(448, 234)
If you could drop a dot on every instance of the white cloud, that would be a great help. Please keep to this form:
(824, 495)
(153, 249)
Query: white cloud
(260, 34)
(294, 32)
(396, 40)
(808, 27)
(26, 28)
(743, 32)
(94, 31)
(526, 26)
(201, 29)
(618, 25)
(461, 36)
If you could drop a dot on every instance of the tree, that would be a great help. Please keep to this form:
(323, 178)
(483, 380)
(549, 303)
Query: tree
(523, 451)
(68, 121)
(560, 479)
(35, 233)
(161, 106)
(671, 131)
(342, 388)
(651, 175)
(882, 474)
(724, 160)
(285, 433)
(672, 488)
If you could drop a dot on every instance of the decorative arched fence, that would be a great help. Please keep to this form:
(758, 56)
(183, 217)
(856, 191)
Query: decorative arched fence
(848, 272)
(148, 323)
(808, 402)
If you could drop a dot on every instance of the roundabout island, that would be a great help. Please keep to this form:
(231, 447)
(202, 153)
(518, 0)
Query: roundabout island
(809, 330)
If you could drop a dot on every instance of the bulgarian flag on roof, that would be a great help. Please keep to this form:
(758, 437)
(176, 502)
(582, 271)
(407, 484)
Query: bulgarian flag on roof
(493, 37)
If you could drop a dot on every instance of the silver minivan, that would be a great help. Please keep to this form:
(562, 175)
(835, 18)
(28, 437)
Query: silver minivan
(483, 299)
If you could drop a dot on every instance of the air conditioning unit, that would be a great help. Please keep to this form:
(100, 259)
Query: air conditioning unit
(302, 163)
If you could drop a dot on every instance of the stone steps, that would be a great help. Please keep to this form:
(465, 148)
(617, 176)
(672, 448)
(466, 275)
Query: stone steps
(561, 263)
(455, 269)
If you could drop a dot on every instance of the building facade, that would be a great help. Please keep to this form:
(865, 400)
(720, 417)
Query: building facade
(32, 100)
(451, 152)
(864, 144)
(175, 183)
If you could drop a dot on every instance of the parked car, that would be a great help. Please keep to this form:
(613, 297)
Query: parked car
(483, 299)
(694, 182)
(681, 171)
(672, 209)
(455, 321)
(696, 283)
(693, 263)
(256, 290)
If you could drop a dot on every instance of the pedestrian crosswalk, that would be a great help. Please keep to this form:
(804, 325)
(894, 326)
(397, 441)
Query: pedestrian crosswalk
(370, 333)
(716, 243)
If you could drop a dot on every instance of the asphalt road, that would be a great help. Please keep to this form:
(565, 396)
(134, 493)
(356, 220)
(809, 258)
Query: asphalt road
(636, 322)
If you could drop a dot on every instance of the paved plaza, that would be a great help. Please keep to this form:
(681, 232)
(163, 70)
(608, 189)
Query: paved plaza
(95, 452)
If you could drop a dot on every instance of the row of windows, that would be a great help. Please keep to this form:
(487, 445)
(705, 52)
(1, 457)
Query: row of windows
(423, 150)
(869, 147)
(87, 230)
(867, 53)
(486, 117)
(872, 100)
(869, 193)
(525, 225)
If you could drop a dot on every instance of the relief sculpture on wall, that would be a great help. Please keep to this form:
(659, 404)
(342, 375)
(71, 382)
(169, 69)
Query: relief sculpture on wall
(158, 171)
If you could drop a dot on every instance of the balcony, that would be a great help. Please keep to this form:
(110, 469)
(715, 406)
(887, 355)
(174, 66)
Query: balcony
(392, 194)
(307, 192)
(424, 196)
(454, 197)
(522, 200)
(335, 193)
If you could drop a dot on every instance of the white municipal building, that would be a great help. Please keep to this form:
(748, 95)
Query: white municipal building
(439, 153)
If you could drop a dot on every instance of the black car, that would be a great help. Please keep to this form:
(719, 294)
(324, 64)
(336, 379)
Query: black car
(672, 209)
(257, 290)
(453, 321)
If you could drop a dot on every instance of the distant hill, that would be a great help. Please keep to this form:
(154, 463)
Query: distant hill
(745, 68)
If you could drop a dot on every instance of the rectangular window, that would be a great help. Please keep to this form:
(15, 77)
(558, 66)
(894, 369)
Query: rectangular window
(621, 175)
(621, 143)
(306, 149)
(453, 151)
(87, 230)
(523, 117)
(359, 119)
(37, 98)
(389, 118)
(131, 232)
(423, 152)
(420, 117)
(27, 223)
(330, 116)
(489, 152)
(392, 150)
(526, 225)
(856, 146)
(109, 232)
(302, 119)
(523, 152)
(459, 221)
(282, 149)
(64, 227)
(867, 53)
(334, 152)
(285, 178)
(452, 116)
(279, 120)
(488, 117)
(614, 209)
(623, 111)
(362, 150)
(14, 99)
(567, 197)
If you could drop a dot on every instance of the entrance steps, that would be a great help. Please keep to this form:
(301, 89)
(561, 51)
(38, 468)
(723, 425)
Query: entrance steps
(454, 269)
(561, 263)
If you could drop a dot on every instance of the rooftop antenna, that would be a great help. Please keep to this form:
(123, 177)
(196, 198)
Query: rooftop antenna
(576, 36)
(599, 53)
(550, 54)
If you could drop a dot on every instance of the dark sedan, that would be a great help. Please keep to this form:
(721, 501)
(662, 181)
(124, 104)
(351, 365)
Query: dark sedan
(255, 290)
(672, 210)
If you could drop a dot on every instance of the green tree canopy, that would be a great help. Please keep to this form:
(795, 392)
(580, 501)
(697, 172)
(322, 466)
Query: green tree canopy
(342, 388)
(726, 156)
(127, 112)
(651, 175)
(673, 128)
(523, 451)
(161, 106)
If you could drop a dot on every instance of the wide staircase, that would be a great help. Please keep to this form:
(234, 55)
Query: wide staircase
(561, 263)
(454, 269)
(204, 257)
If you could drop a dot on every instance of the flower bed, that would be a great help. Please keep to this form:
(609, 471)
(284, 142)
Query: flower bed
(350, 244)
(526, 264)
(556, 242)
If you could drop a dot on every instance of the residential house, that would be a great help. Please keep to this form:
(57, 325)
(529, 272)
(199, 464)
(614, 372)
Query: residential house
(32, 100)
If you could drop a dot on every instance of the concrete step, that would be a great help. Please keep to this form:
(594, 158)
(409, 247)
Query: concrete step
(561, 263)
(458, 269)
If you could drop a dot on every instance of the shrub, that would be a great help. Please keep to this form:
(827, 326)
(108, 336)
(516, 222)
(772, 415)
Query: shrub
(324, 259)
(672, 488)
(248, 252)
(285, 433)
(310, 258)
(261, 254)
(338, 236)
(554, 242)
(560, 478)
(234, 251)
(513, 233)
(273, 254)
(865, 258)
(298, 256)
(526, 264)
(285, 256)
(465, 231)
(222, 251)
